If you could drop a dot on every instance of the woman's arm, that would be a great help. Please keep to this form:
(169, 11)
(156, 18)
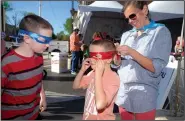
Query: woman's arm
(142, 60)
(158, 57)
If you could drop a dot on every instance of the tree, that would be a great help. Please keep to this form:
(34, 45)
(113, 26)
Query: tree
(24, 13)
(54, 36)
(68, 26)
(7, 6)
(60, 35)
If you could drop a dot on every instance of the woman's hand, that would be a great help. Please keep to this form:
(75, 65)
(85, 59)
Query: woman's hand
(86, 64)
(124, 50)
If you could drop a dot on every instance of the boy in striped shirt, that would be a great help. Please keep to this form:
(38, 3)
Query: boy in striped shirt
(22, 93)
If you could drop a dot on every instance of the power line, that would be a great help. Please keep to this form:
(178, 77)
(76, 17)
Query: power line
(53, 12)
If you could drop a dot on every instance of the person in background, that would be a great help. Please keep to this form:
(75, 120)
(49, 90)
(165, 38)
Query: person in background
(80, 52)
(97, 36)
(85, 50)
(22, 91)
(101, 83)
(177, 46)
(144, 53)
(75, 50)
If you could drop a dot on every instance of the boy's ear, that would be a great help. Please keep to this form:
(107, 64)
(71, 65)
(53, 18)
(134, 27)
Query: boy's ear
(26, 39)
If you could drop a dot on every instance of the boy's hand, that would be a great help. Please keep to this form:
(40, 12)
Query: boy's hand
(43, 105)
(85, 64)
(100, 67)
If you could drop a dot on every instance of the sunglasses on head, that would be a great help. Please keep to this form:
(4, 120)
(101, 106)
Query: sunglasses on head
(132, 17)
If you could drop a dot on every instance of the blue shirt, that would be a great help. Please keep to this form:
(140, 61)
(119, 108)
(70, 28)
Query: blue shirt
(139, 87)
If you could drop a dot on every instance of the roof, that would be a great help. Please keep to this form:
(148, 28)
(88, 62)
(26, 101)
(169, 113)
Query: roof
(113, 6)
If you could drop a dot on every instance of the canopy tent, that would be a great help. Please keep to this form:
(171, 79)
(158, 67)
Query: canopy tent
(162, 10)
(113, 6)
(85, 12)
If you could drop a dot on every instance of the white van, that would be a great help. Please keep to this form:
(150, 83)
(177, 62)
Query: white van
(13, 43)
(58, 46)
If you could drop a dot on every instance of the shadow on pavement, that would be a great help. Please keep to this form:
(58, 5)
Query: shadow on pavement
(58, 117)
(67, 110)
(72, 107)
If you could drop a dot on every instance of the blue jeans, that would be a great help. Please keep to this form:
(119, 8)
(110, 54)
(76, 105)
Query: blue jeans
(74, 61)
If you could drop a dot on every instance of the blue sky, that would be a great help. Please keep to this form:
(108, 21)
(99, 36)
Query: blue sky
(56, 12)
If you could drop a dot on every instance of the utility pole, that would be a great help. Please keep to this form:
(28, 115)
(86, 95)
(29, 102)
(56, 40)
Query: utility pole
(72, 12)
(72, 17)
(39, 8)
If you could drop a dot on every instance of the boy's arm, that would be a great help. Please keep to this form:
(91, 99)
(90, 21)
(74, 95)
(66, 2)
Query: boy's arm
(106, 91)
(4, 80)
(77, 84)
(100, 96)
(4, 75)
(78, 78)
(42, 93)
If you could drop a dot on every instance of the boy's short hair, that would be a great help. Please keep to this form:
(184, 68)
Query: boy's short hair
(84, 46)
(34, 23)
(107, 44)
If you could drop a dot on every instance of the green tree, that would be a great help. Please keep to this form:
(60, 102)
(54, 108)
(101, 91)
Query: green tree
(65, 37)
(60, 35)
(68, 26)
(24, 13)
(54, 36)
(7, 6)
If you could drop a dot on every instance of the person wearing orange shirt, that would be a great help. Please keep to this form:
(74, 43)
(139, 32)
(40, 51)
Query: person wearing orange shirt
(75, 49)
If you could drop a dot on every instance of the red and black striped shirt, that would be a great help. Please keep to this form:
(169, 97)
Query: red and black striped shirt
(21, 80)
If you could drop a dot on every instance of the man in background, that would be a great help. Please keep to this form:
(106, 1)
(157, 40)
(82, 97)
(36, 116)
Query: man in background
(75, 50)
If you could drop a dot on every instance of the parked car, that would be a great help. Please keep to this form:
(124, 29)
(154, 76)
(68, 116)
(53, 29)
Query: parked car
(58, 46)
(13, 42)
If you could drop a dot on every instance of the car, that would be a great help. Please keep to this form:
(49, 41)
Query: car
(12, 43)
